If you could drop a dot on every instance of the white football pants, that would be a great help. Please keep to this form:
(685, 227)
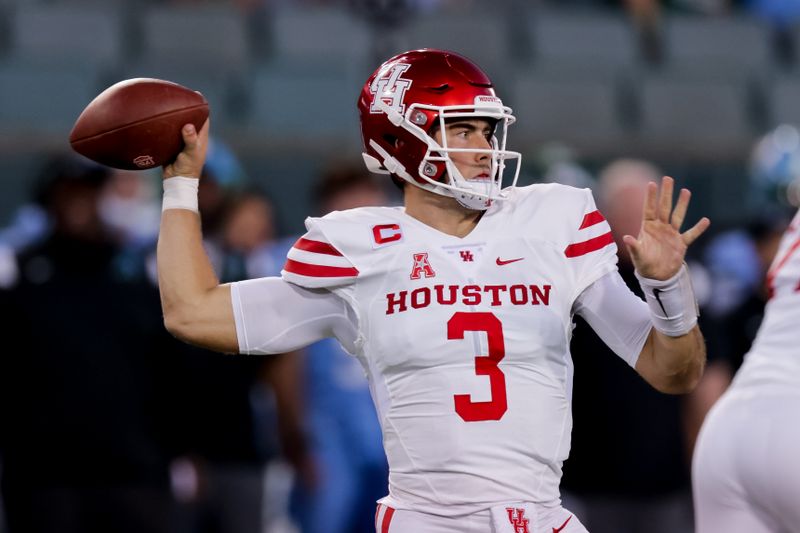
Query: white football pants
(746, 466)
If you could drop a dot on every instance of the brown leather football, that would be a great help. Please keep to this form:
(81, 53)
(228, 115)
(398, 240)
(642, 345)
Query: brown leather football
(136, 124)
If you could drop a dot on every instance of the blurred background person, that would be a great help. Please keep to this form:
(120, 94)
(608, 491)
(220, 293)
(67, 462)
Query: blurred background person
(86, 422)
(345, 436)
(129, 207)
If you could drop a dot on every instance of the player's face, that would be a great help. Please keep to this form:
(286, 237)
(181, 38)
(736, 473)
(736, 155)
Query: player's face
(469, 133)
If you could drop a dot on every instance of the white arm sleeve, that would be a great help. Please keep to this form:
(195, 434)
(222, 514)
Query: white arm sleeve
(617, 315)
(274, 316)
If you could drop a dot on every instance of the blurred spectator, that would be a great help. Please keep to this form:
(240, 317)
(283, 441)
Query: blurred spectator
(738, 327)
(733, 264)
(783, 16)
(638, 481)
(733, 258)
(704, 7)
(129, 206)
(346, 443)
(240, 412)
(558, 163)
(28, 226)
(86, 424)
(775, 171)
(646, 18)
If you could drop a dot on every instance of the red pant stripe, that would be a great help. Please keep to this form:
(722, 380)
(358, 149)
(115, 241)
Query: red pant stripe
(387, 519)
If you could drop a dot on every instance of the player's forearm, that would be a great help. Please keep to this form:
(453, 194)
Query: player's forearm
(184, 271)
(196, 308)
(673, 365)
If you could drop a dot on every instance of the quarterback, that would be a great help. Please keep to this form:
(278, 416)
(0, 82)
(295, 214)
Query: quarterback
(746, 470)
(458, 305)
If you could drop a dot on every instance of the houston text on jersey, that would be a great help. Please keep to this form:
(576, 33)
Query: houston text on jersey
(518, 294)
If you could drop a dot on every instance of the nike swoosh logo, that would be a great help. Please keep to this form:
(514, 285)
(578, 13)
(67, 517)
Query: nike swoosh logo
(656, 293)
(500, 262)
(557, 529)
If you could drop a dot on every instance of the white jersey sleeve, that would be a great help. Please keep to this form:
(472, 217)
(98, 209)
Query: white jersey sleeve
(273, 316)
(312, 300)
(617, 315)
(314, 262)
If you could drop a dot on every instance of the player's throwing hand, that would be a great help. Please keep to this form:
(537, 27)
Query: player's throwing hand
(189, 162)
(658, 252)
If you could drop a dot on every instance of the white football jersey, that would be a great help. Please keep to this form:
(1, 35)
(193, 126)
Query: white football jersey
(465, 341)
(774, 359)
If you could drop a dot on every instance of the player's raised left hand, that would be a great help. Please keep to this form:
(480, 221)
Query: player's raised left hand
(660, 248)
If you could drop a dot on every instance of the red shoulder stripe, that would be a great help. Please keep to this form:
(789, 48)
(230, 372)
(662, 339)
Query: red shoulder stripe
(582, 248)
(773, 272)
(318, 271)
(595, 217)
(316, 246)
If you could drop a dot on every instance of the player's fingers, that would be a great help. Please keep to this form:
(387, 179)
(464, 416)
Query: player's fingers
(650, 202)
(191, 159)
(665, 199)
(682, 205)
(695, 231)
(195, 142)
(190, 136)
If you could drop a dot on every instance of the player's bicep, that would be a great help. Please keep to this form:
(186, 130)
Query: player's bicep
(274, 316)
(617, 315)
(207, 322)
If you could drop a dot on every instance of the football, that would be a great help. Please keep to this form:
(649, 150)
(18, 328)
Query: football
(136, 124)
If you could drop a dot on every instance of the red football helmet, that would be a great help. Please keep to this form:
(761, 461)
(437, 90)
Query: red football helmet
(404, 101)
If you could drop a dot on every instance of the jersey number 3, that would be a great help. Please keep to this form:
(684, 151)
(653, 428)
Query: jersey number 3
(495, 408)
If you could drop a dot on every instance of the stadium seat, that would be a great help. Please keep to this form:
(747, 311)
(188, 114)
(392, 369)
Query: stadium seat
(582, 40)
(583, 112)
(306, 37)
(784, 101)
(305, 105)
(483, 38)
(702, 117)
(737, 47)
(210, 38)
(83, 35)
(43, 99)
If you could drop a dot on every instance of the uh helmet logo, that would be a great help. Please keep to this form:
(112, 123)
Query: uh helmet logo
(390, 89)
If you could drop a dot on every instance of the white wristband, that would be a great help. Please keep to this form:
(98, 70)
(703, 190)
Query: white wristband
(673, 307)
(180, 193)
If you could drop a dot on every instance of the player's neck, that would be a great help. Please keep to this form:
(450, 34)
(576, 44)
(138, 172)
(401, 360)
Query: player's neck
(442, 213)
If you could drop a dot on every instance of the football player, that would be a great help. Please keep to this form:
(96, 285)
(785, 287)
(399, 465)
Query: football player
(458, 305)
(746, 470)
